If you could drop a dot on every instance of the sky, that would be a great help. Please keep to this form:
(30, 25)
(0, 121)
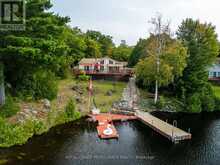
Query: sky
(129, 19)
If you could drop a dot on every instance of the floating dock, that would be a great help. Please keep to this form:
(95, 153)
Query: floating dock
(167, 130)
(105, 124)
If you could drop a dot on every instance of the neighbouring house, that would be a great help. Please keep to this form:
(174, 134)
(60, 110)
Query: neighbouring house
(214, 71)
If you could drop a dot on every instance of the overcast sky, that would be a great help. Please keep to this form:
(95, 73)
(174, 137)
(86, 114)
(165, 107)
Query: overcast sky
(128, 19)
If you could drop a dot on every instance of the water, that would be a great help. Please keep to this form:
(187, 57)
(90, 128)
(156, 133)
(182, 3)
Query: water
(77, 143)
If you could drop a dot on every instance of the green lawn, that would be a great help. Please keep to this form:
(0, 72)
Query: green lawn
(216, 90)
(103, 101)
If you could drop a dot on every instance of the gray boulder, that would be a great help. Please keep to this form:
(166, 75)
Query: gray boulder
(47, 104)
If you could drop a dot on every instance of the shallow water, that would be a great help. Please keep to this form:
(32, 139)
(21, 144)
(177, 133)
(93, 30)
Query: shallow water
(77, 143)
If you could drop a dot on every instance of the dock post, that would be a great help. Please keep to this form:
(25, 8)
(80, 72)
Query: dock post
(175, 123)
(189, 130)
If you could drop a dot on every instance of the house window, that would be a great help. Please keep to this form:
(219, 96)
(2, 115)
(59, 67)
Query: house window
(102, 62)
(86, 68)
(110, 62)
(214, 74)
(218, 74)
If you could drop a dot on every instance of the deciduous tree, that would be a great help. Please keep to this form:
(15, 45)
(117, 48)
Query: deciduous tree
(172, 62)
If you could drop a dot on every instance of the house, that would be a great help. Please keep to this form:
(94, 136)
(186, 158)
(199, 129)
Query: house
(104, 68)
(214, 71)
(103, 65)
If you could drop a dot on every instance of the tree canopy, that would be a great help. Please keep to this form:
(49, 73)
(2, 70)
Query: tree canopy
(122, 52)
(138, 52)
(172, 62)
(38, 47)
(105, 42)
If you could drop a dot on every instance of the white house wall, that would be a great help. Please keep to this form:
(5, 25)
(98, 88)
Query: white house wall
(214, 71)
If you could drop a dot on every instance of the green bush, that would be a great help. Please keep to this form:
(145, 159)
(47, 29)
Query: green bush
(70, 110)
(19, 134)
(161, 102)
(83, 77)
(10, 108)
(39, 85)
(14, 134)
(208, 98)
(217, 104)
(62, 69)
(193, 103)
(39, 127)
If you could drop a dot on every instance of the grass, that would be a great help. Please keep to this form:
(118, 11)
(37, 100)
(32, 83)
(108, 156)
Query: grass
(3, 161)
(102, 100)
(216, 90)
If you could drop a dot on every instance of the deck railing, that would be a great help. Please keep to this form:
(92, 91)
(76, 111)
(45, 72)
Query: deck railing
(94, 72)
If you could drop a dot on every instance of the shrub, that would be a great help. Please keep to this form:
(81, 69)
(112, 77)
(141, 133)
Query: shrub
(217, 104)
(161, 102)
(83, 77)
(39, 127)
(41, 84)
(14, 134)
(70, 110)
(193, 103)
(10, 108)
(208, 98)
(62, 70)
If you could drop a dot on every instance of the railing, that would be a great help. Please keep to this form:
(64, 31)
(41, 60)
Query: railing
(91, 72)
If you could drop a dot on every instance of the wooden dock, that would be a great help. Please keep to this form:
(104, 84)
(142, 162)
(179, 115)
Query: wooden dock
(167, 130)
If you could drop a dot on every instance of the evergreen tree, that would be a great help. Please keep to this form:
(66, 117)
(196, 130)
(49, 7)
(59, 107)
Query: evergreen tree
(138, 52)
(201, 41)
(38, 47)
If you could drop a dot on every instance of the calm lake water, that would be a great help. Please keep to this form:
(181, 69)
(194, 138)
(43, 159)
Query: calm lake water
(77, 143)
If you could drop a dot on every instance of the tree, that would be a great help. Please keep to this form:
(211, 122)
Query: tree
(172, 62)
(139, 52)
(159, 28)
(122, 52)
(105, 42)
(76, 42)
(38, 47)
(201, 41)
(92, 49)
